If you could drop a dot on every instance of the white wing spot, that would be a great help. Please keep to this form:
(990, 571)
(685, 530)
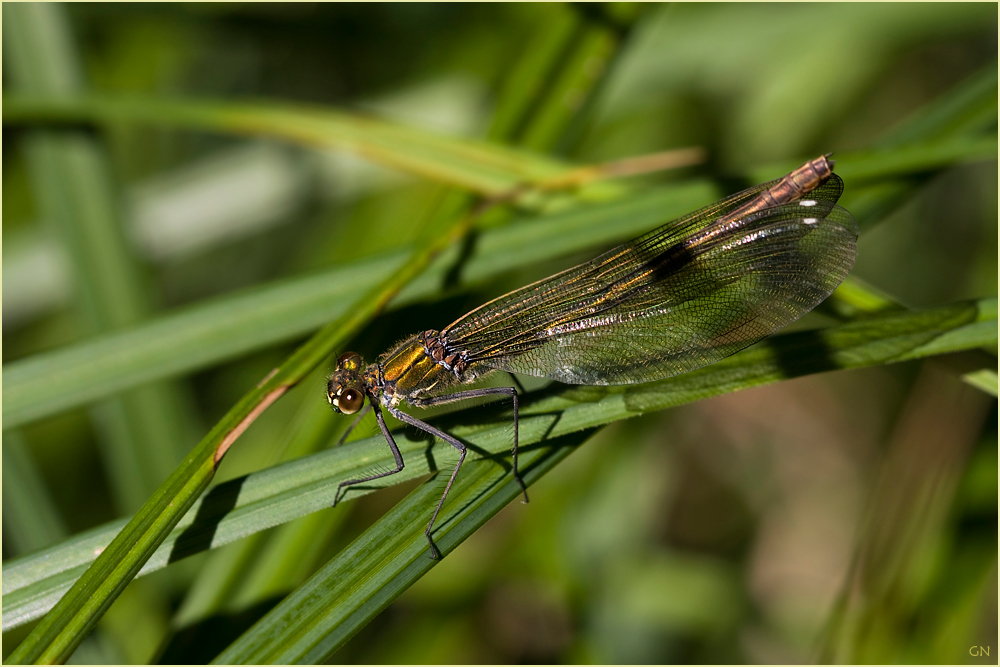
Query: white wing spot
(807, 202)
(810, 221)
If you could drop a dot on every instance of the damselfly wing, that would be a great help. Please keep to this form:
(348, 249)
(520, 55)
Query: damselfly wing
(680, 297)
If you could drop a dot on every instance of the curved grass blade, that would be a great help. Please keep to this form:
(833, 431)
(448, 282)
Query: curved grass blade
(317, 618)
(482, 167)
(76, 613)
(373, 570)
(270, 564)
(224, 328)
(282, 493)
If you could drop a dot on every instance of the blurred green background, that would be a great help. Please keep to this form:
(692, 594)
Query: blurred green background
(850, 516)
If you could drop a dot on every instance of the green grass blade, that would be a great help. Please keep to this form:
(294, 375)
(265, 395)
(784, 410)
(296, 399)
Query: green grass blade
(267, 564)
(578, 53)
(255, 570)
(876, 165)
(242, 507)
(30, 519)
(919, 158)
(969, 108)
(373, 570)
(959, 121)
(358, 583)
(524, 87)
(482, 167)
(224, 328)
(983, 379)
(142, 432)
(76, 613)
(59, 633)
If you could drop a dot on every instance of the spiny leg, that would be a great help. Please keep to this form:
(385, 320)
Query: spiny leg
(392, 446)
(478, 393)
(454, 442)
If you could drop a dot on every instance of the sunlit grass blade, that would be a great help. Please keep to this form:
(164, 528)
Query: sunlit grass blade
(961, 121)
(280, 494)
(482, 167)
(984, 379)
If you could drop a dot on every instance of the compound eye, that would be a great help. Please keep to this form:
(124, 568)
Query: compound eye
(349, 401)
(349, 361)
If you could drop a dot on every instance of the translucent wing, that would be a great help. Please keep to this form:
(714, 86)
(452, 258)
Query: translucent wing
(677, 298)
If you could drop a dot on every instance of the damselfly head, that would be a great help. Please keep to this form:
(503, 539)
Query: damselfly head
(345, 389)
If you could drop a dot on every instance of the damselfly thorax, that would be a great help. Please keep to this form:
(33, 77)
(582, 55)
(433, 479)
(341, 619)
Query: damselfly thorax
(680, 297)
(416, 371)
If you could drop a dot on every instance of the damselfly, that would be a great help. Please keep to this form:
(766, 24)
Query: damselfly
(680, 297)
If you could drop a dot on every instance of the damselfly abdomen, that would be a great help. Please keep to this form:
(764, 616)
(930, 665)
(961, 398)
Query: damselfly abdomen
(680, 297)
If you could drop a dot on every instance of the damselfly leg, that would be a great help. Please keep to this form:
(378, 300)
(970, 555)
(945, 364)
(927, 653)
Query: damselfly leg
(436, 432)
(392, 447)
